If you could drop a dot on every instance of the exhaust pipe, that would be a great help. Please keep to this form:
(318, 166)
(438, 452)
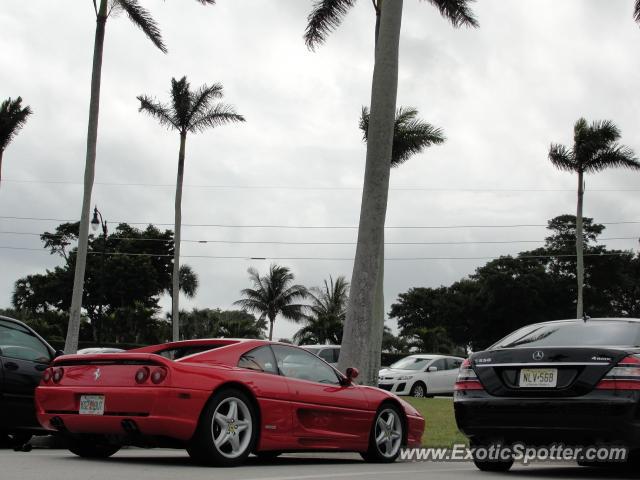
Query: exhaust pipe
(130, 427)
(58, 424)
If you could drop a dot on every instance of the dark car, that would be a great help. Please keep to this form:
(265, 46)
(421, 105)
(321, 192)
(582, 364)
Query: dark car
(575, 382)
(24, 356)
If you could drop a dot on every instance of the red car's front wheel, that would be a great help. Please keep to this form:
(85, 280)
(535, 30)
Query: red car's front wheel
(227, 431)
(386, 436)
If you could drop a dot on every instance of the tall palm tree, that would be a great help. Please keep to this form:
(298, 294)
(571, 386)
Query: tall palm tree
(143, 20)
(272, 295)
(188, 112)
(594, 149)
(12, 118)
(359, 332)
(323, 323)
(411, 136)
(636, 13)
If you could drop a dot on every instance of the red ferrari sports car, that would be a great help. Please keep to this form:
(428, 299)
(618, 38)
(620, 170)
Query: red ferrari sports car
(221, 399)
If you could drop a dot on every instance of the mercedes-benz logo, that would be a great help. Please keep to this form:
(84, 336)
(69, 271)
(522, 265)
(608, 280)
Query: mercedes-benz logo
(538, 355)
(96, 374)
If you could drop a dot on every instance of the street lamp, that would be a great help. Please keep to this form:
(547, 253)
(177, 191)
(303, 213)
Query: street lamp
(96, 223)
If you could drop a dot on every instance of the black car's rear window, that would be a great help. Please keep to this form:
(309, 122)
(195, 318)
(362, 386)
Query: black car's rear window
(574, 334)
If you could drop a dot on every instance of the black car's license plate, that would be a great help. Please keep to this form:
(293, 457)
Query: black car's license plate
(538, 377)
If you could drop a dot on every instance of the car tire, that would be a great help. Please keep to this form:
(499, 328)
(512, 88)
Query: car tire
(227, 431)
(91, 446)
(490, 465)
(13, 440)
(418, 390)
(387, 435)
(269, 455)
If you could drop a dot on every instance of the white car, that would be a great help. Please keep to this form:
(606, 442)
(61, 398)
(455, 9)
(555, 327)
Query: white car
(421, 375)
(329, 353)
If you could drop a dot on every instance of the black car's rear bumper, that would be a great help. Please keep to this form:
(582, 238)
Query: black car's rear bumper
(598, 417)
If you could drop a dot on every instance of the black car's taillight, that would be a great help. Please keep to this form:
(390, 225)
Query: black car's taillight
(624, 376)
(467, 378)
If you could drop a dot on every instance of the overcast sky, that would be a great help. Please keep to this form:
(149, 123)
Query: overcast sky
(502, 94)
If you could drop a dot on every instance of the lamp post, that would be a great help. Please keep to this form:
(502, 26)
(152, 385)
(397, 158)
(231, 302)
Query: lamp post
(96, 223)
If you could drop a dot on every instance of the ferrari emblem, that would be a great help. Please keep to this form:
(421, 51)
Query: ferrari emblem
(96, 374)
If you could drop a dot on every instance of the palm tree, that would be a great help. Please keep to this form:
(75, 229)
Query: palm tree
(188, 112)
(594, 149)
(360, 335)
(410, 137)
(327, 312)
(143, 20)
(636, 13)
(273, 295)
(12, 118)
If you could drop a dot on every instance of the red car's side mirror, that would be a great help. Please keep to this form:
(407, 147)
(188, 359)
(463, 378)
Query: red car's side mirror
(352, 374)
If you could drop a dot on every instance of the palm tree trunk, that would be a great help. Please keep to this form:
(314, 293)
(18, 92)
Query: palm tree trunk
(271, 322)
(378, 314)
(73, 329)
(579, 248)
(359, 324)
(175, 279)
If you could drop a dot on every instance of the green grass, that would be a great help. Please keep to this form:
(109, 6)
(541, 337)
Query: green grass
(440, 429)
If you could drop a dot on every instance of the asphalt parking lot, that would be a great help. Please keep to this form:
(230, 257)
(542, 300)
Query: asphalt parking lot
(172, 464)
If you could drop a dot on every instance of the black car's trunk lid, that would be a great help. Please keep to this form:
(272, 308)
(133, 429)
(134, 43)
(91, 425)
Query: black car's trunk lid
(544, 371)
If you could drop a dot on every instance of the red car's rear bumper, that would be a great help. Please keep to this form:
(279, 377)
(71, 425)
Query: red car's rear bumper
(159, 411)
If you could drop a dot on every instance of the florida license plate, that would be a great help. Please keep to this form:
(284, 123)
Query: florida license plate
(538, 377)
(91, 405)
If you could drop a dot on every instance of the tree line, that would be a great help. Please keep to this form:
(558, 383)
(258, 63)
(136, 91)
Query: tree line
(513, 291)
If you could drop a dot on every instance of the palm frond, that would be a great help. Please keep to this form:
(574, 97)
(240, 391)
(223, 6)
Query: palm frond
(12, 118)
(201, 98)
(616, 156)
(325, 17)
(457, 12)
(207, 2)
(410, 134)
(604, 131)
(143, 20)
(636, 12)
(157, 110)
(562, 158)
(219, 115)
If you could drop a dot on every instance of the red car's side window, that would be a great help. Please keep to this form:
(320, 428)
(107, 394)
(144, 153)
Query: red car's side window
(260, 359)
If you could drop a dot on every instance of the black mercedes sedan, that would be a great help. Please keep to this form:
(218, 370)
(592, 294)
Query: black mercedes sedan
(24, 356)
(574, 382)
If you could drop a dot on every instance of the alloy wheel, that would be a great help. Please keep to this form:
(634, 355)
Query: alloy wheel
(232, 427)
(388, 433)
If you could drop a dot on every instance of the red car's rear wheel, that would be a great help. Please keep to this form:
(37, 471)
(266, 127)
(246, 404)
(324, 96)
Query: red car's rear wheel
(227, 431)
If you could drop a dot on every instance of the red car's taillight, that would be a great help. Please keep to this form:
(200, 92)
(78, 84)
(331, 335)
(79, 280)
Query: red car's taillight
(142, 375)
(46, 376)
(624, 376)
(58, 373)
(158, 375)
(467, 378)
